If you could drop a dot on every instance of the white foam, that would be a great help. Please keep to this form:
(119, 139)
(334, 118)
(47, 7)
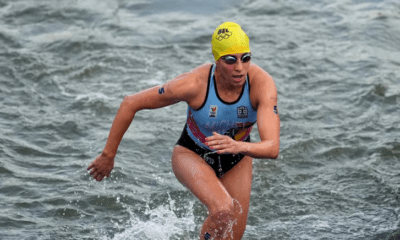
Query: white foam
(162, 224)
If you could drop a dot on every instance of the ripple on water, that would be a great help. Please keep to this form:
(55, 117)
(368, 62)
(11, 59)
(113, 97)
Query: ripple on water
(65, 68)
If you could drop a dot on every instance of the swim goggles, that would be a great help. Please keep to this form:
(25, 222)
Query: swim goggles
(229, 59)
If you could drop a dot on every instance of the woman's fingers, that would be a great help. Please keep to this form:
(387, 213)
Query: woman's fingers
(223, 144)
(90, 166)
(101, 167)
(216, 139)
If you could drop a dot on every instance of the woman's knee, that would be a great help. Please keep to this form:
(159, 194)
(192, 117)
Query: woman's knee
(223, 211)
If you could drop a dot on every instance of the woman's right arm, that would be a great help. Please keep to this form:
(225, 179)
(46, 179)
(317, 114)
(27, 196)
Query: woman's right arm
(147, 99)
(181, 88)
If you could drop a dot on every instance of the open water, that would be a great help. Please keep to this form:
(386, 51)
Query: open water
(65, 67)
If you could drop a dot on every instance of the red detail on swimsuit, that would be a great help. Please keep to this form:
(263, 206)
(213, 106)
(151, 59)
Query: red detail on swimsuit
(195, 129)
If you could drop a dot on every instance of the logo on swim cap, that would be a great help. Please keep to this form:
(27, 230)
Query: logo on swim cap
(229, 38)
(223, 34)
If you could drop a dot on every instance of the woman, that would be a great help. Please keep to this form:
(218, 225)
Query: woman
(213, 157)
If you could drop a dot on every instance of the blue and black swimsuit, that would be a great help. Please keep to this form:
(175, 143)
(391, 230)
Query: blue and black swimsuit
(234, 119)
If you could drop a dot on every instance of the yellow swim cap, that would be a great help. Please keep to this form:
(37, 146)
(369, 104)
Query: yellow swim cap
(229, 38)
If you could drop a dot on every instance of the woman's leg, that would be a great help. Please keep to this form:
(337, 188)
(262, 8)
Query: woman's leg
(193, 172)
(238, 182)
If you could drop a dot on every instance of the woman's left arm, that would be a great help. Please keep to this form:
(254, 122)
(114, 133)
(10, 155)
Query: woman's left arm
(268, 124)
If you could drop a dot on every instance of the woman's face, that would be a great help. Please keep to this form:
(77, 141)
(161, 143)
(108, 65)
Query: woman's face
(233, 74)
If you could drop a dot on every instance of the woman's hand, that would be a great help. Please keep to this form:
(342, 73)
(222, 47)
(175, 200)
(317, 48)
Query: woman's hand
(223, 143)
(101, 167)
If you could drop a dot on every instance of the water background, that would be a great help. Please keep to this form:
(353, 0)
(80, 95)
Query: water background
(65, 67)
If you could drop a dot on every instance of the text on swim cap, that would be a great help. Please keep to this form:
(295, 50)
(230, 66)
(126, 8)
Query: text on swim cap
(223, 33)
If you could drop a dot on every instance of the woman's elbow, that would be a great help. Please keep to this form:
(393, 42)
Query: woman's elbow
(130, 103)
(275, 151)
(275, 156)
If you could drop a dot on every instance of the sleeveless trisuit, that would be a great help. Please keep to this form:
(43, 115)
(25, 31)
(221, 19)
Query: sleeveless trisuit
(234, 119)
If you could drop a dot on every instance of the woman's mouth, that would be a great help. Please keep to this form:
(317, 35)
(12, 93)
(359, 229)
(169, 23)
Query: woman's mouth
(237, 78)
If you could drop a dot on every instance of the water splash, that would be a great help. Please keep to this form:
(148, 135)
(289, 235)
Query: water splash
(159, 223)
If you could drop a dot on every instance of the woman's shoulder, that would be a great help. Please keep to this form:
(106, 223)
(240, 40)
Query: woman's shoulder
(202, 72)
(188, 86)
(258, 74)
(259, 77)
(262, 84)
(199, 76)
(195, 76)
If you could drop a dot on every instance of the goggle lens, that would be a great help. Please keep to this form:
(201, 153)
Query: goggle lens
(232, 59)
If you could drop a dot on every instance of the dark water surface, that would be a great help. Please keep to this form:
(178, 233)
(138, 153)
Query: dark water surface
(65, 67)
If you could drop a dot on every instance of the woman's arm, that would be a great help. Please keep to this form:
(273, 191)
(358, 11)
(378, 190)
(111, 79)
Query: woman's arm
(181, 88)
(148, 99)
(268, 124)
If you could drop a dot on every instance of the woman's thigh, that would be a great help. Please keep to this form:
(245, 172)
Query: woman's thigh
(194, 173)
